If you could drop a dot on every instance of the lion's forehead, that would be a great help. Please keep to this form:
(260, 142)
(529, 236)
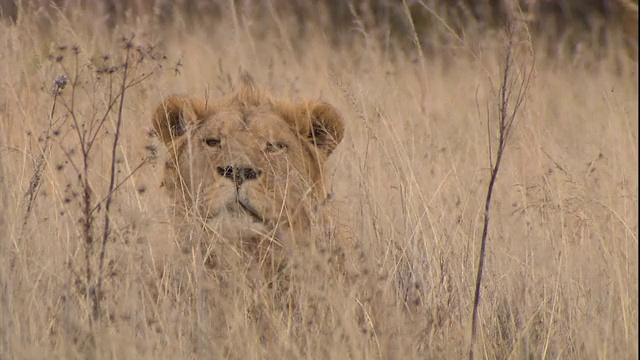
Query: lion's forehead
(256, 122)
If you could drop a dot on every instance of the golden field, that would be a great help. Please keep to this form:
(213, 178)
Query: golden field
(409, 180)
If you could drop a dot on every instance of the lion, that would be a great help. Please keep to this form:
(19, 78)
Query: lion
(249, 167)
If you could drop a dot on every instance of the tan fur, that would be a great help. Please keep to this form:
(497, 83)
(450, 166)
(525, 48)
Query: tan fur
(249, 166)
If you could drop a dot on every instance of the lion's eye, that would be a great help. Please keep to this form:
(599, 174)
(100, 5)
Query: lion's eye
(211, 142)
(276, 147)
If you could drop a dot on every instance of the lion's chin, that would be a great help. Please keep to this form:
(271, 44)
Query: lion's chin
(237, 225)
(245, 226)
(240, 218)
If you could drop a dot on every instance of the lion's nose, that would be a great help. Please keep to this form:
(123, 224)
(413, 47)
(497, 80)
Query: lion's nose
(239, 173)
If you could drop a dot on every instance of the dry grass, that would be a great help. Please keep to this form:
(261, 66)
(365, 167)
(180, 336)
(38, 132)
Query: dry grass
(561, 274)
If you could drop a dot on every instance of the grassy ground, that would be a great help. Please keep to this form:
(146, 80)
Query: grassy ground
(561, 275)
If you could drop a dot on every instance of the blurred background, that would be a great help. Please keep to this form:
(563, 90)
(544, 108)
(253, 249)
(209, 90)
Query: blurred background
(573, 25)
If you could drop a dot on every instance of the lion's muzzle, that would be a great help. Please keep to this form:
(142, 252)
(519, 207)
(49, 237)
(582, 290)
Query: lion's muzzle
(239, 174)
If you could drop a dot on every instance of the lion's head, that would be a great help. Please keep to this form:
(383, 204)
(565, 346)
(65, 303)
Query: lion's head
(249, 164)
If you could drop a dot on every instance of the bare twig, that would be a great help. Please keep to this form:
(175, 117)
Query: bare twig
(508, 108)
(40, 163)
(112, 182)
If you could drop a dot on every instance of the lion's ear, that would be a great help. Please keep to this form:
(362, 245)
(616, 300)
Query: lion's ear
(173, 116)
(326, 126)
